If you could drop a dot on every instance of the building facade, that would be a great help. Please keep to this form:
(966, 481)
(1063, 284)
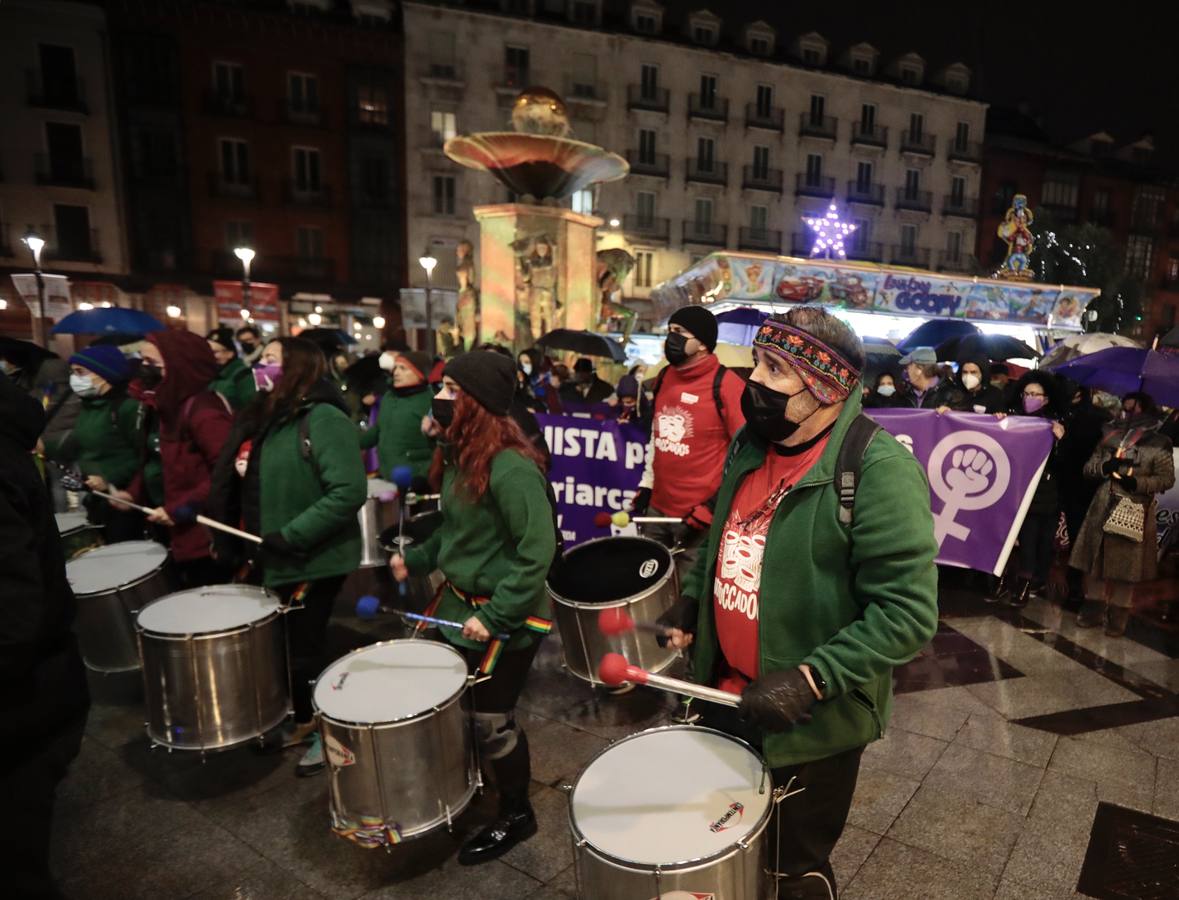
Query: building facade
(734, 131)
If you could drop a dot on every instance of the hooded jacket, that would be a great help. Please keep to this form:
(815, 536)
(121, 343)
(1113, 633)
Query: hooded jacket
(989, 398)
(235, 382)
(397, 434)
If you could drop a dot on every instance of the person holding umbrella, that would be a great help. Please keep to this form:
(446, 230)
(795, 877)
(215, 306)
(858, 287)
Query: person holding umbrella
(977, 394)
(234, 381)
(586, 386)
(397, 434)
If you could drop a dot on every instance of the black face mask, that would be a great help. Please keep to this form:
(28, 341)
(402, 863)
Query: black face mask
(442, 411)
(765, 412)
(150, 376)
(248, 347)
(675, 349)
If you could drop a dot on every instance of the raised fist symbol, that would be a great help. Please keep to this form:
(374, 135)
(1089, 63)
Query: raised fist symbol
(970, 471)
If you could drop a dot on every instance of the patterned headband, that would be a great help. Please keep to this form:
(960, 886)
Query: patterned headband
(825, 373)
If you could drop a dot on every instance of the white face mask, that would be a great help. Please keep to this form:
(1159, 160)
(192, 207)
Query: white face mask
(83, 386)
(387, 361)
(886, 390)
(527, 367)
(970, 381)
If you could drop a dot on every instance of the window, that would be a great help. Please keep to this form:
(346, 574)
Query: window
(765, 101)
(864, 177)
(372, 105)
(953, 246)
(962, 136)
(583, 12)
(814, 169)
(585, 75)
(862, 234)
(708, 91)
(229, 81)
(1148, 208)
(761, 163)
(908, 240)
(818, 107)
(759, 46)
(759, 217)
(154, 151)
(645, 208)
(1173, 269)
(705, 154)
(916, 126)
(441, 49)
(59, 75)
(868, 118)
(235, 161)
(1060, 189)
(374, 178)
(644, 268)
(703, 35)
(703, 219)
(1139, 255)
(909, 75)
(238, 234)
(64, 143)
(649, 81)
(812, 56)
(516, 64)
(583, 201)
(305, 169)
(1100, 204)
(309, 242)
(444, 195)
(302, 93)
(861, 65)
(442, 126)
(647, 146)
(912, 183)
(646, 23)
(72, 229)
(958, 191)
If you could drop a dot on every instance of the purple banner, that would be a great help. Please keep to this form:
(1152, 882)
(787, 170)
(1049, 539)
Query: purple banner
(596, 467)
(982, 474)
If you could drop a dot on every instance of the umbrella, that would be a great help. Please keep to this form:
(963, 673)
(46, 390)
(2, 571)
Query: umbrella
(1121, 370)
(108, 320)
(1082, 345)
(1170, 341)
(586, 343)
(364, 374)
(734, 356)
(25, 354)
(935, 332)
(880, 355)
(738, 326)
(327, 337)
(991, 346)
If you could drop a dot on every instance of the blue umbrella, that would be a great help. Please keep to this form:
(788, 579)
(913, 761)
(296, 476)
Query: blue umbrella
(934, 332)
(1122, 370)
(738, 326)
(108, 320)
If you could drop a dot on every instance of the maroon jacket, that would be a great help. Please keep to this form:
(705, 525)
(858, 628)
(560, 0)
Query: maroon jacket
(194, 424)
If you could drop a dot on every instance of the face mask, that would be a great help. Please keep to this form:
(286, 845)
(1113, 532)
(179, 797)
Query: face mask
(387, 361)
(1033, 404)
(267, 376)
(8, 368)
(886, 390)
(248, 347)
(83, 386)
(527, 367)
(150, 376)
(765, 412)
(442, 411)
(998, 384)
(970, 381)
(675, 348)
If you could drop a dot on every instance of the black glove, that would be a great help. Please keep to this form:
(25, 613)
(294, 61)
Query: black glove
(640, 502)
(1110, 466)
(1130, 483)
(700, 518)
(276, 543)
(778, 701)
(682, 615)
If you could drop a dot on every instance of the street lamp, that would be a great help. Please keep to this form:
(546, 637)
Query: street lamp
(378, 322)
(428, 262)
(36, 244)
(246, 255)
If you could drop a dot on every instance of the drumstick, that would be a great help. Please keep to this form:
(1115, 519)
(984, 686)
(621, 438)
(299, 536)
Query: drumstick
(614, 670)
(403, 478)
(433, 620)
(622, 518)
(616, 620)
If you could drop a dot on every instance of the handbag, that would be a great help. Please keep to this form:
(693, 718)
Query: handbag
(1127, 519)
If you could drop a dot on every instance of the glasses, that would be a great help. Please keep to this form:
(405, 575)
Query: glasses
(1032, 394)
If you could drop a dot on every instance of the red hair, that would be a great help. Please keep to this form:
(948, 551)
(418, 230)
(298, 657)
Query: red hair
(477, 437)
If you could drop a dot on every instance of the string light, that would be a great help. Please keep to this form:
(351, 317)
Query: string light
(829, 233)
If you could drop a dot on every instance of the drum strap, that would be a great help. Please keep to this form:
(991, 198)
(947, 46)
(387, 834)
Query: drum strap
(495, 646)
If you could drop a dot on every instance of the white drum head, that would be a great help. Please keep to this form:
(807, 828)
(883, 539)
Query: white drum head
(205, 610)
(670, 796)
(68, 521)
(109, 568)
(378, 486)
(390, 681)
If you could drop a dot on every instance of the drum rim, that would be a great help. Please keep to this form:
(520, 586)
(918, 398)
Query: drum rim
(404, 720)
(622, 601)
(221, 632)
(583, 842)
(126, 586)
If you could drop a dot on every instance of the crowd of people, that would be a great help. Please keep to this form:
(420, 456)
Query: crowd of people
(278, 437)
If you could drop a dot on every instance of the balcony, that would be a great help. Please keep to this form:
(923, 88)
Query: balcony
(759, 178)
(236, 105)
(1060, 212)
(916, 201)
(771, 118)
(369, 116)
(707, 171)
(709, 108)
(81, 247)
(235, 188)
(806, 185)
(448, 74)
(869, 135)
(865, 194)
(918, 143)
(301, 114)
(648, 228)
(801, 243)
(910, 256)
(704, 233)
(963, 207)
(305, 194)
(965, 151)
(824, 127)
(514, 80)
(67, 94)
(868, 251)
(1105, 218)
(373, 197)
(759, 239)
(655, 99)
(578, 90)
(657, 165)
(77, 172)
(956, 262)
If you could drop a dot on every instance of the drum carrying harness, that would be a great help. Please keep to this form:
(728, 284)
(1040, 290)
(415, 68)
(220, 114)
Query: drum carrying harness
(495, 646)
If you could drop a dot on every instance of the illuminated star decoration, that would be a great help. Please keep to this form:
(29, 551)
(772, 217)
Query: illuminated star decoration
(829, 233)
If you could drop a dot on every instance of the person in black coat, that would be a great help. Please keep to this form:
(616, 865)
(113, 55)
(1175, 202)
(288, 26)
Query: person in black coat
(973, 379)
(886, 393)
(43, 692)
(1083, 423)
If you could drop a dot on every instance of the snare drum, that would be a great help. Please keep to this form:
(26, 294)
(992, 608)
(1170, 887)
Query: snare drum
(112, 584)
(397, 737)
(214, 666)
(375, 516)
(634, 573)
(77, 534)
(672, 812)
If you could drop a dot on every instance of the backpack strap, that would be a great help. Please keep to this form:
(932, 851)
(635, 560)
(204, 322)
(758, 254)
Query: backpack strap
(849, 461)
(717, 379)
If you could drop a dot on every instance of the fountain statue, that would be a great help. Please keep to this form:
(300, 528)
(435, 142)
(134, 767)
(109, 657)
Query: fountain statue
(537, 257)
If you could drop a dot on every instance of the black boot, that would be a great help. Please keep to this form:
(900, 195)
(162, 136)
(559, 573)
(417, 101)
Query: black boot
(1116, 620)
(515, 823)
(1021, 594)
(1092, 614)
(999, 592)
(818, 885)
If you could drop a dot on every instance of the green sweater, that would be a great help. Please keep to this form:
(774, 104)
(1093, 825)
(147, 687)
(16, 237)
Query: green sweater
(397, 434)
(102, 443)
(312, 502)
(853, 604)
(500, 547)
(235, 382)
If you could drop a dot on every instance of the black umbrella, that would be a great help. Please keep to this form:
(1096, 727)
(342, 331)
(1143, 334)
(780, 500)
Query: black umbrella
(585, 343)
(24, 354)
(935, 332)
(365, 375)
(992, 346)
(327, 337)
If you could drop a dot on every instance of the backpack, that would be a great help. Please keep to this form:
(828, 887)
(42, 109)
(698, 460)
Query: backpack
(717, 380)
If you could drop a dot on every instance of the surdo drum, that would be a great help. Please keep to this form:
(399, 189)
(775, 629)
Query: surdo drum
(77, 534)
(672, 813)
(634, 573)
(397, 737)
(378, 513)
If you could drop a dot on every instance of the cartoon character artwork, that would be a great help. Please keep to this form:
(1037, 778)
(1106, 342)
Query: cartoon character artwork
(1015, 230)
(800, 290)
(613, 265)
(849, 290)
(467, 311)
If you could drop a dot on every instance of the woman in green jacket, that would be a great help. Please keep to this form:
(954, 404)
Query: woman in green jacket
(234, 381)
(397, 434)
(495, 545)
(105, 440)
(291, 472)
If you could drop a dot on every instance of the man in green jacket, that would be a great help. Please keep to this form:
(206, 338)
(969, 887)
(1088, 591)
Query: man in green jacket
(800, 611)
(397, 434)
(235, 380)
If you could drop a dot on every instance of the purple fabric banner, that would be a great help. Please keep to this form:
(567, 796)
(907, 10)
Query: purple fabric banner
(982, 474)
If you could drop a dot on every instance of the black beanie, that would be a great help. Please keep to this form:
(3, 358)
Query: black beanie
(697, 320)
(420, 360)
(222, 336)
(488, 377)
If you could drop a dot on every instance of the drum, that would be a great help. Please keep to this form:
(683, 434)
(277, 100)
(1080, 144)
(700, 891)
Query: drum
(214, 666)
(112, 584)
(397, 738)
(418, 529)
(635, 573)
(77, 534)
(378, 513)
(672, 812)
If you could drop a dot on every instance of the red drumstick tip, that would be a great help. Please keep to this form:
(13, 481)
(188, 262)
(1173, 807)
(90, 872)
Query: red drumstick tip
(602, 520)
(613, 669)
(615, 621)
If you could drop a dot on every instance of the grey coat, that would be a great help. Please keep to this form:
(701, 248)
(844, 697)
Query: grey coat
(1110, 556)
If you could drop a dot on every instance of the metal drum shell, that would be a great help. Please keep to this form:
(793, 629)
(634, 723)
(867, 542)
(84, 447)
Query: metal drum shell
(106, 620)
(584, 645)
(79, 538)
(374, 517)
(213, 690)
(416, 773)
(419, 589)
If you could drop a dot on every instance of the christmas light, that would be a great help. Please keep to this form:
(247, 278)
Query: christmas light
(829, 233)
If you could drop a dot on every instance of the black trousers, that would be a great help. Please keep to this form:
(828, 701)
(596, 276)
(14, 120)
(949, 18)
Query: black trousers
(1036, 538)
(307, 630)
(201, 572)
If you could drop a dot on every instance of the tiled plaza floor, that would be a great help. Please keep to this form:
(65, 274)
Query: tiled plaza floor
(1010, 732)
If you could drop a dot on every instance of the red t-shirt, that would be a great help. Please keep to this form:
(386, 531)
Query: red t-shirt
(737, 582)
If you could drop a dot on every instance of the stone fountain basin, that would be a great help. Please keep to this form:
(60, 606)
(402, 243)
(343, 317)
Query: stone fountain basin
(539, 166)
